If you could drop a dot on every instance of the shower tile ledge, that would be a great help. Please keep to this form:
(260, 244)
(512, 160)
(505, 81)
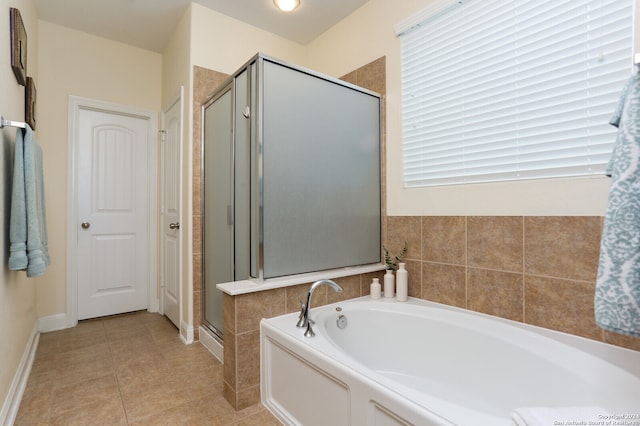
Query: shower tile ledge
(235, 288)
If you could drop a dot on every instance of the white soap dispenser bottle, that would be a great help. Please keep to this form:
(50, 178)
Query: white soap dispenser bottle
(375, 288)
(402, 283)
(389, 284)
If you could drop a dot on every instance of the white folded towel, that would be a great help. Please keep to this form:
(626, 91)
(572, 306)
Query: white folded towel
(547, 416)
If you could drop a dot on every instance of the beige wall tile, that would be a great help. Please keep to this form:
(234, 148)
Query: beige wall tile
(563, 247)
(443, 239)
(248, 356)
(197, 272)
(628, 342)
(401, 230)
(352, 77)
(495, 242)
(562, 305)
(230, 395)
(444, 284)
(414, 273)
(205, 82)
(495, 293)
(197, 312)
(350, 289)
(197, 199)
(197, 236)
(229, 312)
(248, 397)
(295, 295)
(252, 307)
(373, 76)
(230, 364)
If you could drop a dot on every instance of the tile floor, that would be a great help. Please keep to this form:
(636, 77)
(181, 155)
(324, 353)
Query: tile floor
(129, 369)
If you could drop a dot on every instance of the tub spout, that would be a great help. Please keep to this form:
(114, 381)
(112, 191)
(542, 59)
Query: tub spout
(304, 320)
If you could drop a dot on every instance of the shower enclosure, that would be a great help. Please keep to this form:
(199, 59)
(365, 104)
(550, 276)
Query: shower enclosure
(291, 177)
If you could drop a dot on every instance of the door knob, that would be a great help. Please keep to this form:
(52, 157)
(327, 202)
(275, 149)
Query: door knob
(85, 225)
(174, 225)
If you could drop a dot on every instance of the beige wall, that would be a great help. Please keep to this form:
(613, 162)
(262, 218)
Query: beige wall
(17, 293)
(224, 44)
(367, 34)
(79, 64)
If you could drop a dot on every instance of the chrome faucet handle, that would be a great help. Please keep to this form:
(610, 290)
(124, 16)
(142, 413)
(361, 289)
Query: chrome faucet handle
(304, 320)
(301, 317)
(309, 331)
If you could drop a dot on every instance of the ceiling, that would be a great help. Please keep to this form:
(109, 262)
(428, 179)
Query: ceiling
(149, 24)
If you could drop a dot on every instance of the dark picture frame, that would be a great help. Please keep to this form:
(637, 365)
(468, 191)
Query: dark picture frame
(30, 103)
(18, 46)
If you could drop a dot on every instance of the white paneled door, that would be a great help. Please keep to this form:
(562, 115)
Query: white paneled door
(170, 207)
(112, 213)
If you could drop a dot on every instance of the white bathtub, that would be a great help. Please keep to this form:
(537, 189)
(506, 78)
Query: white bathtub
(424, 363)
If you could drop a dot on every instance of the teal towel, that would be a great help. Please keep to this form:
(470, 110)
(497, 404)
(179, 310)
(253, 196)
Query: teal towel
(27, 224)
(617, 298)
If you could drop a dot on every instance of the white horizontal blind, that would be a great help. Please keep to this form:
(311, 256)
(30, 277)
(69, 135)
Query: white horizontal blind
(496, 90)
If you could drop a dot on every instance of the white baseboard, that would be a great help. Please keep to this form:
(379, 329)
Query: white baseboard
(186, 333)
(212, 343)
(16, 390)
(52, 323)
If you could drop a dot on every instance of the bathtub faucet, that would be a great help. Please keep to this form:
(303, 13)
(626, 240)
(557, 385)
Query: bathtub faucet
(304, 320)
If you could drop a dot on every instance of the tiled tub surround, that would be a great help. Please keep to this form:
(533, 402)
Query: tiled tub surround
(242, 315)
(540, 270)
(536, 270)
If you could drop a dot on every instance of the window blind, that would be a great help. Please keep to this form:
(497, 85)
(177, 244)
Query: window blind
(496, 90)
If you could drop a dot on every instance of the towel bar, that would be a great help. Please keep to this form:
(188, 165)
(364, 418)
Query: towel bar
(4, 122)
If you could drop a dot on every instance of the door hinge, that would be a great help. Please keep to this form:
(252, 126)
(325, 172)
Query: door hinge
(163, 135)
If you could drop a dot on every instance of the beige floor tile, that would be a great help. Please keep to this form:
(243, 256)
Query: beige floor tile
(73, 396)
(106, 412)
(35, 407)
(126, 370)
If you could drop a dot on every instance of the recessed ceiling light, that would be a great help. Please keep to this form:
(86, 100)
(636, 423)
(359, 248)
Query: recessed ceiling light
(286, 5)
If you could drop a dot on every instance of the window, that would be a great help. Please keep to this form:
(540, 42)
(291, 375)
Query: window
(496, 90)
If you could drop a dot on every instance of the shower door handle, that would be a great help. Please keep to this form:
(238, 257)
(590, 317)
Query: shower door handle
(229, 215)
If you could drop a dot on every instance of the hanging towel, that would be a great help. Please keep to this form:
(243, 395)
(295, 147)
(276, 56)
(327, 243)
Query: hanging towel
(27, 224)
(617, 298)
(547, 416)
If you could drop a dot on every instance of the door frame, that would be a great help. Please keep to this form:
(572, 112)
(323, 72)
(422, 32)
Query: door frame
(76, 104)
(177, 99)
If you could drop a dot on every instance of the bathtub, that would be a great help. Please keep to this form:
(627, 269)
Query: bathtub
(422, 363)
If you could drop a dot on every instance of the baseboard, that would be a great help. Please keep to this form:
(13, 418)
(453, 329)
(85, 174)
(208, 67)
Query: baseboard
(52, 323)
(210, 342)
(186, 333)
(16, 390)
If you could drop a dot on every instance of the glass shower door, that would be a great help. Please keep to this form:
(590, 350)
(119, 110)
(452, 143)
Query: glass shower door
(227, 194)
(217, 207)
